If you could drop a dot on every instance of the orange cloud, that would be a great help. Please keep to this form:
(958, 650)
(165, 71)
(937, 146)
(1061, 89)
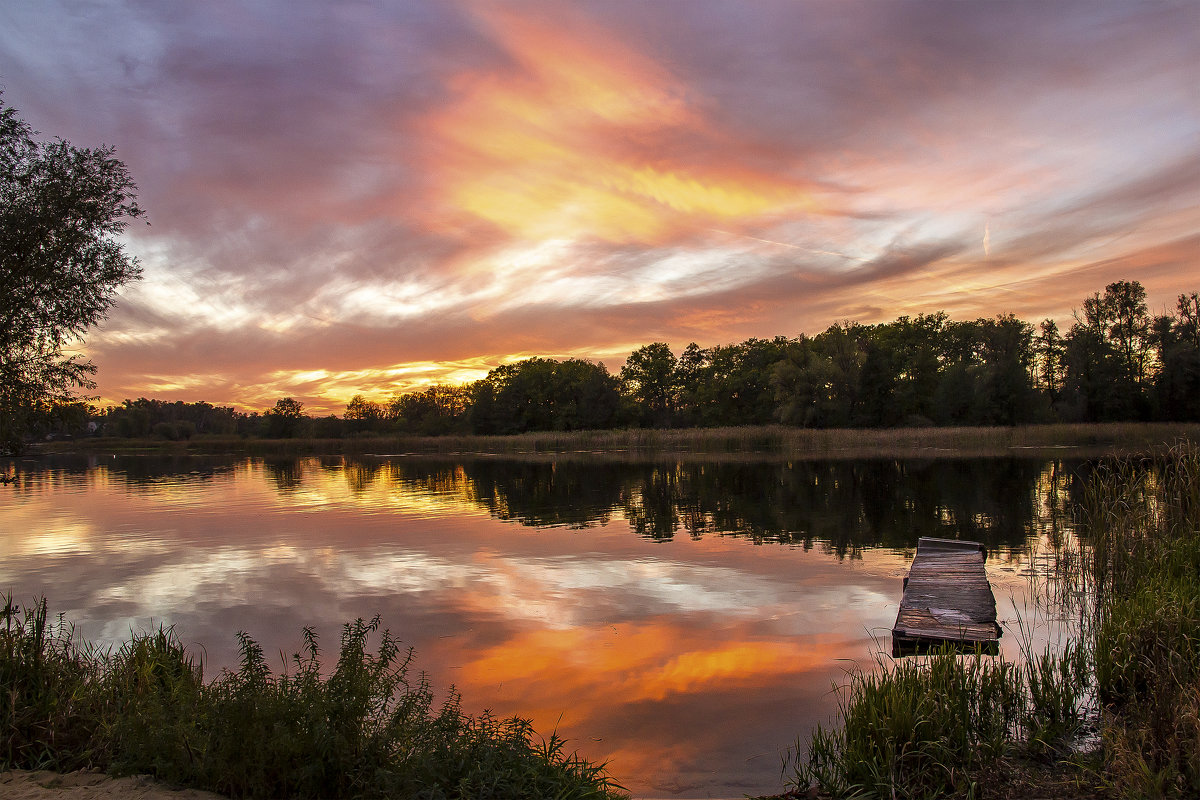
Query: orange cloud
(576, 143)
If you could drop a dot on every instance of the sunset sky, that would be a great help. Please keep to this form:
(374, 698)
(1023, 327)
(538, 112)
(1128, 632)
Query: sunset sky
(364, 197)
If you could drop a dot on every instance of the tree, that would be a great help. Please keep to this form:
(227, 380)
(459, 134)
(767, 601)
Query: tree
(1107, 355)
(540, 394)
(61, 209)
(649, 380)
(1048, 354)
(283, 420)
(1178, 339)
(362, 414)
(435, 410)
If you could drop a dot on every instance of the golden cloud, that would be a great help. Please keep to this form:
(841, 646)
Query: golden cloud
(575, 143)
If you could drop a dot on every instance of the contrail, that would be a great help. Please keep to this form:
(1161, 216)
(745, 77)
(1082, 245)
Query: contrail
(792, 246)
(987, 239)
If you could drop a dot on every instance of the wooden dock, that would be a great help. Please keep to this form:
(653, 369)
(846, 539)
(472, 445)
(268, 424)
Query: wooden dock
(947, 600)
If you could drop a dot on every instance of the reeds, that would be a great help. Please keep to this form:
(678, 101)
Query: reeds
(1143, 517)
(931, 728)
(762, 441)
(368, 729)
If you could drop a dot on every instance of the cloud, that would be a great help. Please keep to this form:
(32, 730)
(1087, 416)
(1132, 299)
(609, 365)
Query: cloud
(351, 190)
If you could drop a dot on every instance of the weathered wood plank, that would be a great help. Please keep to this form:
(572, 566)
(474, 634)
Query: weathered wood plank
(947, 599)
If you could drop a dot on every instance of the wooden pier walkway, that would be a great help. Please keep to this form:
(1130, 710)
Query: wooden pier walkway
(947, 600)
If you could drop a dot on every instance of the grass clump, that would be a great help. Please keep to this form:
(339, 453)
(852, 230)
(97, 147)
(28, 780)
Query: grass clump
(368, 729)
(46, 718)
(934, 727)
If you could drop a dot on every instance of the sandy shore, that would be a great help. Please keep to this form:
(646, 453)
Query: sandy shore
(85, 785)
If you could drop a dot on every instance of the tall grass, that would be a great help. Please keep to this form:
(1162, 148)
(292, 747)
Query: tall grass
(928, 728)
(369, 728)
(46, 715)
(1144, 520)
(768, 440)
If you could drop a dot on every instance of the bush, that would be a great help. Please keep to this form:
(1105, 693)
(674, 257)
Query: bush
(367, 730)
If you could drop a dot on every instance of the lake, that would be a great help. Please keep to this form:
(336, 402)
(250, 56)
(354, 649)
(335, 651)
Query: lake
(684, 620)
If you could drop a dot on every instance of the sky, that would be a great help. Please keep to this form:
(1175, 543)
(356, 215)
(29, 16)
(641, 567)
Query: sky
(368, 197)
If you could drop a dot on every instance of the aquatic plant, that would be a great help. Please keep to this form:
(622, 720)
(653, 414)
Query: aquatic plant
(1143, 517)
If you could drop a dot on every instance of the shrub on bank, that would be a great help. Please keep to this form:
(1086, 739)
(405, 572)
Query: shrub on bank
(369, 729)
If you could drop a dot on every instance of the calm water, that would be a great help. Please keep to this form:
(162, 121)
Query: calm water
(683, 620)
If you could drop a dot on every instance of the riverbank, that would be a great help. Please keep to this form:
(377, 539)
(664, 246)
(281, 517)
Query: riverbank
(773, 441)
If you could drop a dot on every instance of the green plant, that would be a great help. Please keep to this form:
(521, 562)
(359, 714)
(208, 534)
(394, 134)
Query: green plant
(46, 721)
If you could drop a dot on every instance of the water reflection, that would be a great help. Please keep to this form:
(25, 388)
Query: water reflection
(621, 603)
(847, 505)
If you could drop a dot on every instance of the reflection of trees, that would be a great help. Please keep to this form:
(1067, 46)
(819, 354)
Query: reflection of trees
(842, 505)
(286, 474)
(845, 505)
(139, 473)
(360, 475)
(571, 494)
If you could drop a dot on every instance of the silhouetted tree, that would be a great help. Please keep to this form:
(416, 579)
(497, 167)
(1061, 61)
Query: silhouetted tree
(61, 211)
(650, 380)
(435, 410)
(1177, 388)
(1106, 356)
(362, 415)
(540, 394)
(1048, 352)
(284, 420)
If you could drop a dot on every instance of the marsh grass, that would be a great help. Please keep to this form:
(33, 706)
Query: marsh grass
(1144, 519)
(769, 440)
(933, 727)
(369, 728)
(46, 719)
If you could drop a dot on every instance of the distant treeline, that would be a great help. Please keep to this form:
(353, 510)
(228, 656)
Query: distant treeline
(1117, 362)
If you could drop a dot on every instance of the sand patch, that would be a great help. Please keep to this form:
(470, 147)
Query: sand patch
(88, 785)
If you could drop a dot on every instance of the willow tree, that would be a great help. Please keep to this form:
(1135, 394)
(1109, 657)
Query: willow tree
(61, 211)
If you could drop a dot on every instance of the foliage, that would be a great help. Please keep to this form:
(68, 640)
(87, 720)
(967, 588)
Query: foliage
(61, 209)
(1116, 363)
(650, 379)
(367, 729)
(928, 729)
(434, 411)
(540, 394)
(46, 721)
(284, 420)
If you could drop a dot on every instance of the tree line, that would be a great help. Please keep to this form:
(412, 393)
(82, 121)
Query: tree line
(1116, 362)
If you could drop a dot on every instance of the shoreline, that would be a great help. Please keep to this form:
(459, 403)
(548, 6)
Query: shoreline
(765, 442)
